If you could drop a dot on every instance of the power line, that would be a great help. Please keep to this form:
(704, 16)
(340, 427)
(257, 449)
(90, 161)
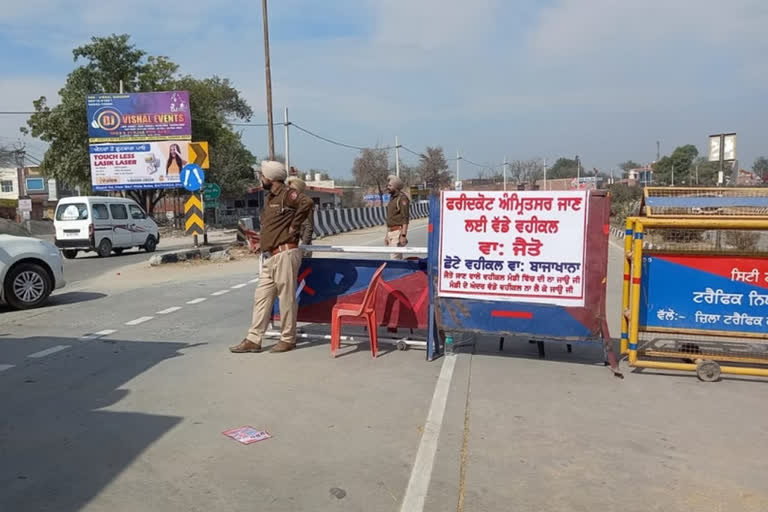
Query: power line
(480, 165)
(337, 143)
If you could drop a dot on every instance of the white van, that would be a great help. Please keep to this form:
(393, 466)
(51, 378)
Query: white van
(104, 225)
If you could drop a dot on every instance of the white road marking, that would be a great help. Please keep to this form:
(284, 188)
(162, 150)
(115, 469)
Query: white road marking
(220, 292)
(100, 334)
(140, 320)
(238, 286)
(421, 474)
(4, 367)
(252, 281)
(169, 310)
(48, 351)
(197, 301)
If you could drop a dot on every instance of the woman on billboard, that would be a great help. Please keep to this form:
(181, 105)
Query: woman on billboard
(175, 162)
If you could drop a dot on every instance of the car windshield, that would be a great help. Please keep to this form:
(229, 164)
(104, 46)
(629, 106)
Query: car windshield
(72, 211)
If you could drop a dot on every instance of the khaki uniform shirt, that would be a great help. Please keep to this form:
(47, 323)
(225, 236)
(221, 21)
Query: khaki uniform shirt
(283, 214)
(308, 227)
(398, 210)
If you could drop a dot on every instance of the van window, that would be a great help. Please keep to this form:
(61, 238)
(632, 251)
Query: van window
(119, 211)
(100, 212)
(136, 212)
(72, 211)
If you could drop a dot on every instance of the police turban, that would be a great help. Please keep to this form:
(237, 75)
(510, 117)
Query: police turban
(297, 183)
(395, 181)
(272, 170)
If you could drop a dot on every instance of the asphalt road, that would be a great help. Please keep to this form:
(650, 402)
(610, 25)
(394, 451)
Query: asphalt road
(115, 397)
(88, 265)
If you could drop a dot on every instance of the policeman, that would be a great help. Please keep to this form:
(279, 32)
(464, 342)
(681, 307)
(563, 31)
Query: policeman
(284, 212)
(308, 227)
(398, 215)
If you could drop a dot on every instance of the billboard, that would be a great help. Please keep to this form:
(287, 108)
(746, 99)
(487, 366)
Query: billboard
(726, 294)
(139, 116)
(518, 247)
(138, 165)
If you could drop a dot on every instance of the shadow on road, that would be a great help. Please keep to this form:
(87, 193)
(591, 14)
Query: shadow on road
(59, 447)
(60, 299)
(74, 298)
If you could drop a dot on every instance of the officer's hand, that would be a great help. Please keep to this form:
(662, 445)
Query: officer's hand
(403, 240)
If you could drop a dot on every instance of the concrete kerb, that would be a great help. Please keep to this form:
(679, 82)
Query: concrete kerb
(214, 252)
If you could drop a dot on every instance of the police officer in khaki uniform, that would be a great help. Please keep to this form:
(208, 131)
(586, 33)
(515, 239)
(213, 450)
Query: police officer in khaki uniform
(281, 219)
(398, 215)
(308, 227)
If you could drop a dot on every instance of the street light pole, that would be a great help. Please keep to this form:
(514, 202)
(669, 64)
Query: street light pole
(268, 72)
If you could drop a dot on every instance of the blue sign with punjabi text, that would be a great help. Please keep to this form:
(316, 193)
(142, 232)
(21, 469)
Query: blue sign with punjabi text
(705, 293)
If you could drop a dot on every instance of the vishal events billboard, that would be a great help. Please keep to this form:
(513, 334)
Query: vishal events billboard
(139, 117)
(138, 140)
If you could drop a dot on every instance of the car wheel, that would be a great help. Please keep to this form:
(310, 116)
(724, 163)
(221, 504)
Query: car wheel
(118, 250)
(27, 285)
(105, 248)
(151, 244)
(70, 254)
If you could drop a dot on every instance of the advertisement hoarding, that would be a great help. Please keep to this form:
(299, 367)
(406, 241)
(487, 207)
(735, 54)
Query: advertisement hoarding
(136, 165)
(728, 294)
(519, 247)
(139, 116)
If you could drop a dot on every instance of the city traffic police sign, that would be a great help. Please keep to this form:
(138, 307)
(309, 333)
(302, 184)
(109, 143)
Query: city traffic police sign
(193, 216)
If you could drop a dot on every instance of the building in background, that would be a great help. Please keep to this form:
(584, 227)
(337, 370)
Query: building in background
(25, 194)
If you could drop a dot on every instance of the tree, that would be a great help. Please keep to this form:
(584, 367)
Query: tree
(679, 161)
(760, 167)
(433, 169)
(629, 165)
(106, 61)
(527, 171)
(702, 173)
(563, 168)
(371, 169)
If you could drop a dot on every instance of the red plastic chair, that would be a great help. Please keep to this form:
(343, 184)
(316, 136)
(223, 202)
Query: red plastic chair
(366, 309)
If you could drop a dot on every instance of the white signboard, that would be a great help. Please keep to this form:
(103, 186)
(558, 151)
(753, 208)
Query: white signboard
(729, 147)
(25, 205)
(519, 247)
(714, 148)
(125, 166)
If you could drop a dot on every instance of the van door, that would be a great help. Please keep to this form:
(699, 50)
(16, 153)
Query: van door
(141, 227)
(122, 235)
(71, 224)
(102, 225)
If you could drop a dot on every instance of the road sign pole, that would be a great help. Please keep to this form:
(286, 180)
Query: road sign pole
(205, 224)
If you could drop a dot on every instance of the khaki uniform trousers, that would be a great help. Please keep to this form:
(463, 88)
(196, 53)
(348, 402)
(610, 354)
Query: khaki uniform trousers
(278, 278)
(392, 239)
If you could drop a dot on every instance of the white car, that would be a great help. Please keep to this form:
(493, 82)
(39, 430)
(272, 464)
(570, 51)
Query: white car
(30, 269)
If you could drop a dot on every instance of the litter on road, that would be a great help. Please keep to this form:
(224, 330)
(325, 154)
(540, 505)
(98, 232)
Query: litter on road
(247, 435)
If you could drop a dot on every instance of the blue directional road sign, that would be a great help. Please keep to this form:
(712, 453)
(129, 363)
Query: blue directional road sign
(192, 177)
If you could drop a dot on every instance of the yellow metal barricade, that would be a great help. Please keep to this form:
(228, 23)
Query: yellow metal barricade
(695, 291)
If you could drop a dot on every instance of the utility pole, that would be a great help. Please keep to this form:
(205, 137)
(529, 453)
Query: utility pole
(121, 87)
(268, 73)
(458, 159)
(658, 150)
(578, 172)
(287, 144)
(505, 173)
(545, 174)
(673, 175)
(397, 157)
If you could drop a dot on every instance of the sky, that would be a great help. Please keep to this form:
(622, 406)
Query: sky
(602, 79)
